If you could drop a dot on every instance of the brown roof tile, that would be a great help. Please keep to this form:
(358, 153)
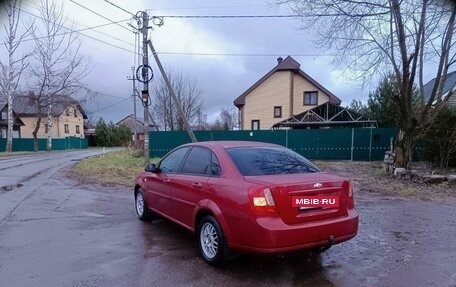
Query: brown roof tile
(287, 64)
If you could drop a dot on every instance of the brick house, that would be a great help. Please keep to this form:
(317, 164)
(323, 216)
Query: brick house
(283, 92)
(67, 117)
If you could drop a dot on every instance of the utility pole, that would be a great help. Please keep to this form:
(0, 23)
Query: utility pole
(173, 95)
(134, 103)
(145, 79)
(145, 91)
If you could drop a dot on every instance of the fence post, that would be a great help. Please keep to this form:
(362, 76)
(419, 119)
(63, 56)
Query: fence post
(353, 139)
(286, 138)
(370, 144)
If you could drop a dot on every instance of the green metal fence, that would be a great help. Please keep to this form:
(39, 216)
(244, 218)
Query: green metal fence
(27, 144)
(330, 144)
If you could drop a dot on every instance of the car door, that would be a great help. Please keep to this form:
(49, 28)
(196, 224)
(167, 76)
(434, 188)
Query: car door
(190, 184)
(159, 184)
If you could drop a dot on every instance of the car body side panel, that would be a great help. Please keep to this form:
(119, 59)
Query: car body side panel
(186, 192)
(225, 198)
(157, 191)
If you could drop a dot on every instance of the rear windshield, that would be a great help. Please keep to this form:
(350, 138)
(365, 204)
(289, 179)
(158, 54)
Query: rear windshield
(269, 160)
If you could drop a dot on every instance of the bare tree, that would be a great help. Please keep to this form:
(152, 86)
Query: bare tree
(229, 118)
(374, 36)
(59, 68)
(226, 120)
(12, 70)
(202, 123)
(189, 96)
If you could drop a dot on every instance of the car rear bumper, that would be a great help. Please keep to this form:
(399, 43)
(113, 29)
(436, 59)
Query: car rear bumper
(272, 235)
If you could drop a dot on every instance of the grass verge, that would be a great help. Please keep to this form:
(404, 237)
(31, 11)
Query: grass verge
(116, 168)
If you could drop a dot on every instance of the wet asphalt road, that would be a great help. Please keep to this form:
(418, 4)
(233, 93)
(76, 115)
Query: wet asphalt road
(66, 234)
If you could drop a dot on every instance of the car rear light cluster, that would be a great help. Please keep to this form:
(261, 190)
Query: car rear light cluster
(261, 200)
(351, 197)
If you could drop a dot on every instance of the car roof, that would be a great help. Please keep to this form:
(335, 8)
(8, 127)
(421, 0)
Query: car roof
(233, 144)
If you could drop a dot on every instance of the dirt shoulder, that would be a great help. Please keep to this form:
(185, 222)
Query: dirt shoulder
(370, 177)
(121, 168)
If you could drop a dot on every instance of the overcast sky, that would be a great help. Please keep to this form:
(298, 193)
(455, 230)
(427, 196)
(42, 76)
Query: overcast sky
(183, 44)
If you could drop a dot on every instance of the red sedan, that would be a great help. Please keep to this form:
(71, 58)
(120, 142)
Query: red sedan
(248, 197)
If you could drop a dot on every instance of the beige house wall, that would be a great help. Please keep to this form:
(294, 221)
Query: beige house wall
(302, 85)
(260, 103)
(58, 125)
(30, 124)
(277, 91)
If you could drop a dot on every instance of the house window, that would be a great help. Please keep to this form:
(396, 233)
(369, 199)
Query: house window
(67, 129)
(310, 98)
(67, 112)
(77, 129)
(255, 124)
(3, 116)
(16, 134)
(75, 113)
(277, 112)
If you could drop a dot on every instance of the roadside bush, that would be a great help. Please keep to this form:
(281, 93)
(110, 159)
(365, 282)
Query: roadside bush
(108, 135)
(440, 139)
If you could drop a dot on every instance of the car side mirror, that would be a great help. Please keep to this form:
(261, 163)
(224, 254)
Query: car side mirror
(151, 167)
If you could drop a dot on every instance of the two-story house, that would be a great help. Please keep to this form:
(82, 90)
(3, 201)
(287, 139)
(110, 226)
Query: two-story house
(135, 124)
(283, 92)
(67, 116)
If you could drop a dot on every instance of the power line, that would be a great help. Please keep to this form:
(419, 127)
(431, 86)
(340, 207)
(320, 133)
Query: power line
(67, 19)
(96, 93)
(126, 11)
(107, 43)
(98, 14)
(211, 7)
(70, 30)
(110, 106)
(164, 52)
(241, 54)
(106, 34)
(229, 16)
(76, 31)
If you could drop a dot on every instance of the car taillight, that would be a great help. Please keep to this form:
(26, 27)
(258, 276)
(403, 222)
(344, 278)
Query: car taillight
(351, 197)
(261, 200)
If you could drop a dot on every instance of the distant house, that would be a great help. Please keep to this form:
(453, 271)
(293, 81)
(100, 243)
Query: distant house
(17, 122)
(89, 133)
(449, 89)
(67, 117)
(283, 92)
(135, 124)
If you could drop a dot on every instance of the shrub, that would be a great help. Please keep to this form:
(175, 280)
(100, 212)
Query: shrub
(111, 135)
(440, 138)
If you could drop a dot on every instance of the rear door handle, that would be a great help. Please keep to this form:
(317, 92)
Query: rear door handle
(166, 180)
(197, 185)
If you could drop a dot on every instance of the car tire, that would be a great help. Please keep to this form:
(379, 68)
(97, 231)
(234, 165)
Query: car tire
(211, 241)
(140, 206)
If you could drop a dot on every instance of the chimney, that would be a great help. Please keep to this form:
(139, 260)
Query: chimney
(279, 60)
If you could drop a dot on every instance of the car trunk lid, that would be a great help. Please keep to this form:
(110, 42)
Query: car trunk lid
(285, 187)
